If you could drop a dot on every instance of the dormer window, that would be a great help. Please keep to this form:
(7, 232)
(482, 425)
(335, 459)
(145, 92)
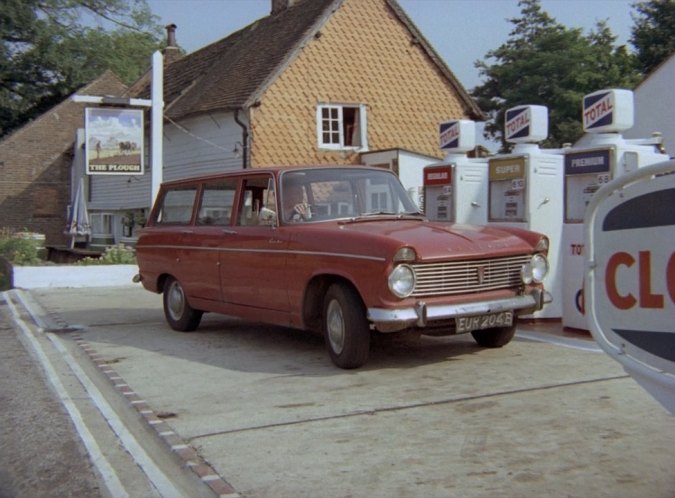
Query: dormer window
(342, 127)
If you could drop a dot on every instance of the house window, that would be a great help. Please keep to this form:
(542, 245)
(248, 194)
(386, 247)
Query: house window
(101, 224)
(342, 127)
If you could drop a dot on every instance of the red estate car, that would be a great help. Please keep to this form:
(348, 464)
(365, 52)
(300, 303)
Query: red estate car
(340, 250)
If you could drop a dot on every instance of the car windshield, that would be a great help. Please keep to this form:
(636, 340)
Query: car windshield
(334, 193)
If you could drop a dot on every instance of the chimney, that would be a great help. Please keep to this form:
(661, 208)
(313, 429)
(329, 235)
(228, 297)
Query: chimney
(172, 52)
(171, 35)
(281, 5)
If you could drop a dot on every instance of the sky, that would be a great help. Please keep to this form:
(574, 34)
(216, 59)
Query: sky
(461, 31)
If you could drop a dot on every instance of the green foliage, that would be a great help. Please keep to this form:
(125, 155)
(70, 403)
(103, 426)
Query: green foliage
(653, 34)
(18, 250)
(545, 63)
(50, 48)
(118, 254)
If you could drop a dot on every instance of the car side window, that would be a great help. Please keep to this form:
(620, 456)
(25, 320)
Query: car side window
(257, 192)
(217, 202)
(177, 206)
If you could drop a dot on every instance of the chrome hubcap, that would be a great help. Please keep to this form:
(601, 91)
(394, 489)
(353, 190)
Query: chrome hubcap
(176, 301)
(335, 325)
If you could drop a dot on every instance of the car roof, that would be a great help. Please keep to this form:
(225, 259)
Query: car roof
(272, 170)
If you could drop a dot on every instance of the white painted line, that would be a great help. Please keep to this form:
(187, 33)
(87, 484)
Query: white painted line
(158, 479)
(105, 470)
(568, 342)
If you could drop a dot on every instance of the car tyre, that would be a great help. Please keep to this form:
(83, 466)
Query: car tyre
(178, 312)
(496, 337)
(345, 327)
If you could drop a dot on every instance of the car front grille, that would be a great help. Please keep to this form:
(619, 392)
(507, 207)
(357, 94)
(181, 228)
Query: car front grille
(461, 277)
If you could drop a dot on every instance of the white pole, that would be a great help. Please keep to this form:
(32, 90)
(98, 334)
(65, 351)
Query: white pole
(157, 122)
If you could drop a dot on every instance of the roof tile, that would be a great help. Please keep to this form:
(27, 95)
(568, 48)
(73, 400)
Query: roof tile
(227, 74)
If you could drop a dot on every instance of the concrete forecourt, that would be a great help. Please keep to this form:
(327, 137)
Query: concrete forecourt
(260, 411)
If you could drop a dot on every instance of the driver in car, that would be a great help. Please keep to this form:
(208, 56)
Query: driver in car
(295, 207)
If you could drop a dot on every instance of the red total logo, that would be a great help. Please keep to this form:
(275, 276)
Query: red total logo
(598, 110)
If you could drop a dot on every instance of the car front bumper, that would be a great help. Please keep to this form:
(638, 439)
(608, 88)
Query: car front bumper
(421, 315)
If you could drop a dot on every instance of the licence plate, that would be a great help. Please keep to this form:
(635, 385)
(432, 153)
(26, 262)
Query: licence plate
(487, 321)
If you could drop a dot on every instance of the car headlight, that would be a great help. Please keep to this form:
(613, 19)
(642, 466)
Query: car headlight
(536, 270)
(402, 281)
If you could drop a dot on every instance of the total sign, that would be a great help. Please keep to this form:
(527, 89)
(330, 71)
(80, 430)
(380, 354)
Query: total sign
(457, 135)
(630, 275)
(608, 111)
(526, 124)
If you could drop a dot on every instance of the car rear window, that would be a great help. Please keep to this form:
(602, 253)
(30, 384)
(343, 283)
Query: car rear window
(177, 206)
(217, 202)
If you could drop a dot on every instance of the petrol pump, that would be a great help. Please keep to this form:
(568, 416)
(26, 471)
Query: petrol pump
(525, 190)
(455, 189)
(604, 156)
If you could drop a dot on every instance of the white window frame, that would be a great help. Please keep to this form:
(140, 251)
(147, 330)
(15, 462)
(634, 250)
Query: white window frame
(363, 127)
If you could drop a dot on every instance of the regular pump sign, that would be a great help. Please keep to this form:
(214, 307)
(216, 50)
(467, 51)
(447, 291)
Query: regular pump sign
(630, 279)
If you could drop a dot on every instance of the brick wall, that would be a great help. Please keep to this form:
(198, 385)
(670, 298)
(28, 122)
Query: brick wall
(364, 55)
(35, 166)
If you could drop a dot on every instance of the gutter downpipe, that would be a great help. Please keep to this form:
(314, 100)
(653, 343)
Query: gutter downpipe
(244, 138)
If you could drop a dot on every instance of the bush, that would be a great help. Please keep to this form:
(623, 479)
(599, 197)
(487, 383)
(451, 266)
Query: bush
(5, 274)
(19, 250)
(118, 254)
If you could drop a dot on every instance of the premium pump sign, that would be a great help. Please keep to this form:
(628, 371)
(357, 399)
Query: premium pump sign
(114, 141)
(630, 258)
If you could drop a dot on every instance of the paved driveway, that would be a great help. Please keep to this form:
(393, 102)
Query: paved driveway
(436, 417)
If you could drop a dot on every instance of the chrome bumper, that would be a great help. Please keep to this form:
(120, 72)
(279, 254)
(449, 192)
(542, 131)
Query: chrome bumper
(421, 314)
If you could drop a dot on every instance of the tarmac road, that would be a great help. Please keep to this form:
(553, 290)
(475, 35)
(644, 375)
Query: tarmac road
(63, 436)
(40, 454)
(267, 412)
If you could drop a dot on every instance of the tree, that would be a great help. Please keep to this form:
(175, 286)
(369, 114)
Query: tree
(545, 63)
(653, 34)
(50, 48)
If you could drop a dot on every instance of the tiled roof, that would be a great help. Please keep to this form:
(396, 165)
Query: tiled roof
(227, 73)
(231, 72)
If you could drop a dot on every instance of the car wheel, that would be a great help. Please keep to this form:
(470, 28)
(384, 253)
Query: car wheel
(178, 312)
(494, 338)
(345, 328)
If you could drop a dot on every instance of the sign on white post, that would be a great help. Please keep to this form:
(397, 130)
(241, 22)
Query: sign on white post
(630, 275)
(114, 141)
(157, 122)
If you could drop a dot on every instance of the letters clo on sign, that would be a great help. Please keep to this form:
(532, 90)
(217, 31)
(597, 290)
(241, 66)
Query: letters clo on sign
(624, 298)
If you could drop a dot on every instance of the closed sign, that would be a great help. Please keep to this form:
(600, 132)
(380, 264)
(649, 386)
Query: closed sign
(630, 281)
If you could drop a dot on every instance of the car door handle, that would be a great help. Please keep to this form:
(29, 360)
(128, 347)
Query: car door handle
(229, 232)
